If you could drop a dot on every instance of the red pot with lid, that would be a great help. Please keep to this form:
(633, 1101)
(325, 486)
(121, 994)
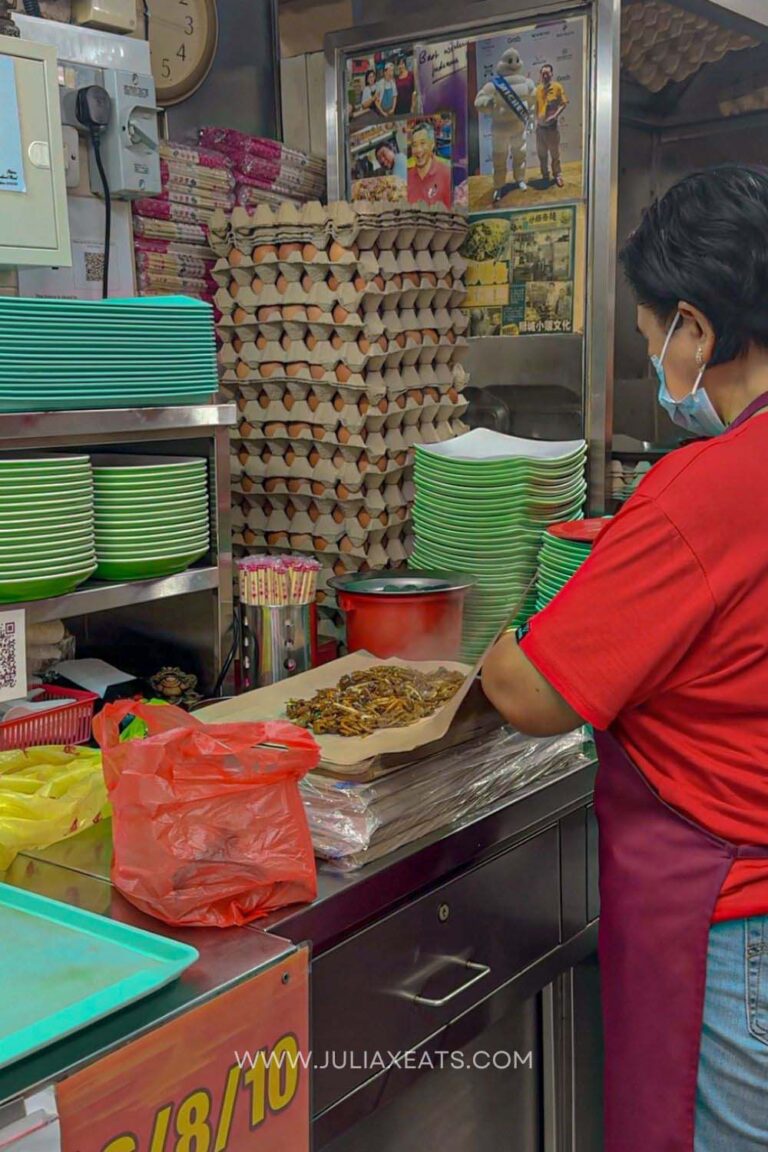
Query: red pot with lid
(412, 615)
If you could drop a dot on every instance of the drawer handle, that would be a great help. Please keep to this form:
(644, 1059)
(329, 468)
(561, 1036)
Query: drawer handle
(480, 970)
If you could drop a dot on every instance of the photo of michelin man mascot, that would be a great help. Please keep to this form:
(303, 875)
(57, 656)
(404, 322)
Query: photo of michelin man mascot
(508, 97)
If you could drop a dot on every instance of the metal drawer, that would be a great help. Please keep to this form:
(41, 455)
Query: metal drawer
(397, 982)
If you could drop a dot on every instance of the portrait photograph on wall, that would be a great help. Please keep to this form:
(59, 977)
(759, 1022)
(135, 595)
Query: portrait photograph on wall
(526, 125)
(430, 159)
(378, 160)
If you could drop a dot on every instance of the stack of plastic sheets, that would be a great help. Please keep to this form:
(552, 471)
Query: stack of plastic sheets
(483, 501)
(353, 824)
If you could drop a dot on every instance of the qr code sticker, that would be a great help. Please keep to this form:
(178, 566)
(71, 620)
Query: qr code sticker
(94, 266)
(9, 675)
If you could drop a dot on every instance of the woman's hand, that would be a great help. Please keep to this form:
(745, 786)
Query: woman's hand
(521, 694)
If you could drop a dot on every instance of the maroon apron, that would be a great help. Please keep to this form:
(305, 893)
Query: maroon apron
(660, 878)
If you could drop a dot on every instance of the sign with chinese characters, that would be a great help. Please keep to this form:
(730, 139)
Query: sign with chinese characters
(525, 272)
(228, 1076)
(11, 158)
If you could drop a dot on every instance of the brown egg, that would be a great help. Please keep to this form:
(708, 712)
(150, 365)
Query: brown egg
(235, 257)
(310, 341)
(417, 395)
(363, 518)
(317, 488)
(307, 282)
(275, 538)
(296, 368)
(234, 288)
(293, 485)
(242, 371)
(412, 278)
(250, 536)
(313, 401)
(295, 430)
(414, 335)
(363, 344)
(285, 251)
(338, 460)
(432, 394)
(272, 484)
(400, 340)
(256, 285)
(337, 252)
(383, 405)
(338, 515)
(314, 457)
(429, 335)
(333, 283)
(262, 251)
(268, 313)
(363, 465)
(338, 402)
(288, 401)
(359, 283)
(344, 435)
(290, 457)
(363, 405)
(383, 343)
(450, 336)
(343, 492)
(453, 395)
(321, 597)
(336, 341)
(281, 284)
(293, 312)
(316, 371)
(267, 455)
(346, 545)
(430, 278)
(379, 282)
(274, 429)
(401, 460)
(339, 569)
(401, 402)
(314, 313)
(290, 511)
(285, 342)
(342, 373)
(397, 281)
(246, 430)
(382, 464)
(314, 513)
(237, 344)
(309, 252)
(263, 400)
(319, 432)
(321, 543)
(240, 316)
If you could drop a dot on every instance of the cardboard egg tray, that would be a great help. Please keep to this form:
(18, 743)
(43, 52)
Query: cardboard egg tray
(248, 466)
(387, 382)
(360, 527)
(314, 441)
(375, 388)
(417, 227)
(310, 266)
(379, 547)
(390, 498)
(296, 358)
(259, 461)
(345, 307)
(425, 406)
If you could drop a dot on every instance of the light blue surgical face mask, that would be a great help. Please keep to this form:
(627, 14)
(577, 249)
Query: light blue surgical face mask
(695, 412)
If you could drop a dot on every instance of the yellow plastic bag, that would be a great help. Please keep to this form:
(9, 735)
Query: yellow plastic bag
(46, 795)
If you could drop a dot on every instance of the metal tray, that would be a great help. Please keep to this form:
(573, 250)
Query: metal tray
(65, 968)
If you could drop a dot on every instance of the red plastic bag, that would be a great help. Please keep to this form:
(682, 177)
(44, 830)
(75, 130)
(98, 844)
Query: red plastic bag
(208, 825)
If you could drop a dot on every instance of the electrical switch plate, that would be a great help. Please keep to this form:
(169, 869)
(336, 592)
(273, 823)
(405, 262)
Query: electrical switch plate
(129, 144)
(108, 15)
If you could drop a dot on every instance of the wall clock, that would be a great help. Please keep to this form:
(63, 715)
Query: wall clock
(183, 35)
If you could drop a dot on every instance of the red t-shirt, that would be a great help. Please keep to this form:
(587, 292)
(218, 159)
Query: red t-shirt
(434, 188)
(663, 637)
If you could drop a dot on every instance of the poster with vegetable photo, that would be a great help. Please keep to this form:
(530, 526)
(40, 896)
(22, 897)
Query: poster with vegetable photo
(380, 86)
(442, 86)
(527, 94)
(430, 155)
(378, 159)
(525, 272)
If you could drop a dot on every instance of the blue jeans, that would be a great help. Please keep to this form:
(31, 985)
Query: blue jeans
(732, 1098)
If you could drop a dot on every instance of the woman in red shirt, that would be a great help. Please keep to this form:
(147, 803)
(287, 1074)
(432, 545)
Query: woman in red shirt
(661, 643)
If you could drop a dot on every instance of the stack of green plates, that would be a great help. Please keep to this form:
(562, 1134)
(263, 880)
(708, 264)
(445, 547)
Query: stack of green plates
(62, 354)
(564, 549)
(46, 526)
(482, 503)
(152, 515)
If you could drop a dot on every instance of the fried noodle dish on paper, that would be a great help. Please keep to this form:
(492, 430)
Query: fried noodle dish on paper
(380, 697)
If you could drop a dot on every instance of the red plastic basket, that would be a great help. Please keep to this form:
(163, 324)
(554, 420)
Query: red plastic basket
(70, 724)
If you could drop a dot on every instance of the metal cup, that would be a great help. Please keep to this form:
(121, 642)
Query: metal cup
(276, 642)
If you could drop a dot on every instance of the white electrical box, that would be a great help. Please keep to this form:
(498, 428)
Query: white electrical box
(108, 15)
(34, 226)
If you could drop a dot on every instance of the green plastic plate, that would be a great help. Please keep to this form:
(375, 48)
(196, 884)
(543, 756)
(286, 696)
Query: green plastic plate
(43, 587)
(145, 569)
(71, 968)
(141, 549)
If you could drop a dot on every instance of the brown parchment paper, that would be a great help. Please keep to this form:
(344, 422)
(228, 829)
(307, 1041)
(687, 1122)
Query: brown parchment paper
(270, 703)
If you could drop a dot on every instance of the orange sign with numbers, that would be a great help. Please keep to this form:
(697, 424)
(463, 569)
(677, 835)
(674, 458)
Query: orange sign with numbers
(229, 1076)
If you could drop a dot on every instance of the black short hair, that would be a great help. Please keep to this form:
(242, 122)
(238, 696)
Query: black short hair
(706, 242)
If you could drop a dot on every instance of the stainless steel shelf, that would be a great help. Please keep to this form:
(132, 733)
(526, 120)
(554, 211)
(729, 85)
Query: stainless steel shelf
(101, 597)
(23, 430)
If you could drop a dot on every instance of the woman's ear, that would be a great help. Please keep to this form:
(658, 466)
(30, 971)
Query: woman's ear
(700, 329)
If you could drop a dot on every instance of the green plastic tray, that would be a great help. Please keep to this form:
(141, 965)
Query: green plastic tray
(69, 968)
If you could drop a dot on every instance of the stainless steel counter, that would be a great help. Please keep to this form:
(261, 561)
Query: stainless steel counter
(512, 891)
